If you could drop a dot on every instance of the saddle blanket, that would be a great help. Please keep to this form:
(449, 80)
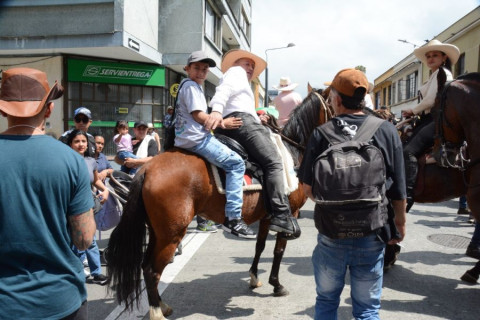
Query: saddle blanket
(290, 179)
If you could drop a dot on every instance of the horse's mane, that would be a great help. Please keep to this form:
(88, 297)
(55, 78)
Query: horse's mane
(303, 120)
(472, 76)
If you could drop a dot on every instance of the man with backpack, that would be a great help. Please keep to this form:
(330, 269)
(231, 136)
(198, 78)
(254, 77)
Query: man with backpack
(350, 165)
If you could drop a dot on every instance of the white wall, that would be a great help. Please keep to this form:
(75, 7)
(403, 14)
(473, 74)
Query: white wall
(140, 18)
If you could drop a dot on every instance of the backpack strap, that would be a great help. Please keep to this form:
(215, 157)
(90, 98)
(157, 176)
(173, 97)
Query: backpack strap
(175, 101)
(328, 131)
(368, 129)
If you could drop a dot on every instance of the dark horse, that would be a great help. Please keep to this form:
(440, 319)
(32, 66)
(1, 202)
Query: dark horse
(457, 115)
(167, 193)
(457, 112)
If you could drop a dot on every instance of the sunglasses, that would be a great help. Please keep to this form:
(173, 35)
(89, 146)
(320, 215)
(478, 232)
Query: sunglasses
(81, 119)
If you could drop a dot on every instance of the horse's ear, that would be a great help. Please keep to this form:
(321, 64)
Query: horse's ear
(309, 87)
(441, 79)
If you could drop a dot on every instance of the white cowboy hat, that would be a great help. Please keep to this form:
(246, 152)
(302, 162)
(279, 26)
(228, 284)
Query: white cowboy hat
(232, 56)
(452, 52)
(285, 84)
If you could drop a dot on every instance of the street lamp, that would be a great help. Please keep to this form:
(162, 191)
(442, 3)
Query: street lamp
(405, 41)
(266, 70)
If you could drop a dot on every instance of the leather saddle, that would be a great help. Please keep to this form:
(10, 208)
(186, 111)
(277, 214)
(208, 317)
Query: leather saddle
(251, 168)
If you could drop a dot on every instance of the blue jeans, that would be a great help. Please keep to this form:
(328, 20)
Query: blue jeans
(462, 202)
(255, 138)
(364, 258)
(93, 257)
(221, 156)
(122, 155)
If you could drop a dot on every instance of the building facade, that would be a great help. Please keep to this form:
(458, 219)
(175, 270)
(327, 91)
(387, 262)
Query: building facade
(122, 59)
(397, 88)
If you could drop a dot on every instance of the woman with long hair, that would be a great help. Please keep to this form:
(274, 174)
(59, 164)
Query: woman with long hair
(435, 55)
(78, 141)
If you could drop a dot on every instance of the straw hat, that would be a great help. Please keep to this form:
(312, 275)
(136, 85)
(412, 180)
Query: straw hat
(25, 92)
(450, 50)
(232, 56)
(285, 84)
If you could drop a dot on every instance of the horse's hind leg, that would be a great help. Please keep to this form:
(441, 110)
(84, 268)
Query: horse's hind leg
(259, 247)
(154, 263)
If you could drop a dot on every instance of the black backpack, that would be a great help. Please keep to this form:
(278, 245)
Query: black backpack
(349, 182)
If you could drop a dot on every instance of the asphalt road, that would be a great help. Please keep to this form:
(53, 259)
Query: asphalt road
(210, 279)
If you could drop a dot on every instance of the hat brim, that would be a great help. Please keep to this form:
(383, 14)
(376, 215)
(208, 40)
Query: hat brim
(25, 109)
(234, 55)
(450, 50)
(290, 87)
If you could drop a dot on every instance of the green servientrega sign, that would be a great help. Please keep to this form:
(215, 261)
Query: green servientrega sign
(119, 73)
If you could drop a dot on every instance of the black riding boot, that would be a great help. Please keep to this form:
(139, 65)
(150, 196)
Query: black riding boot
(411, 170)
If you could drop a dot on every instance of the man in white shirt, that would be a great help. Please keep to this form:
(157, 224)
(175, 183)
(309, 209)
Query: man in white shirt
(234, 98)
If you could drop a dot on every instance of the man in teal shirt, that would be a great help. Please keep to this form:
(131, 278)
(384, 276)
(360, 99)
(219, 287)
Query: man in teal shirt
(45, 206)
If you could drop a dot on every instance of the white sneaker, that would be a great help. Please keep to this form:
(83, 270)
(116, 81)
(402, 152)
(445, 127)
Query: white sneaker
(87, 273)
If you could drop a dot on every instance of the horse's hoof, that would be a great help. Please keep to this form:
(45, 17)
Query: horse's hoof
(288, 236)
(254, 282)
(468, 277)
(156, 314)
(280, 292)
(166, 310)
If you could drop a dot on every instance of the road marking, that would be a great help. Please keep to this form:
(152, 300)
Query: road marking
(191, 243)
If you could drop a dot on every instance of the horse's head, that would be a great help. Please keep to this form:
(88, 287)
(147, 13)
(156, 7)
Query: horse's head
(312, 112)
(447, 127)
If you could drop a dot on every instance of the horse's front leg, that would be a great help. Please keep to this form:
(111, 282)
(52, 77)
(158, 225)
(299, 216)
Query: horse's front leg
(259, 247)
(278, 289)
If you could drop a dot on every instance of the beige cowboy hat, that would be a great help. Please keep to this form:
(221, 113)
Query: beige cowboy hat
(232, 56)
(25, 92)
(285, 84)
(452, 52)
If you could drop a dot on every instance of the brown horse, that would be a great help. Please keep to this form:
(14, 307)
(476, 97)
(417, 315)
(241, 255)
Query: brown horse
(457, 112)
(167, 193)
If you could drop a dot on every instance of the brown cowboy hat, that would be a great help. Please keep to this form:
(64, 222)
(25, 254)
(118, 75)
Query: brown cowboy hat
(25, 91)
(232, 56)
(452, 52)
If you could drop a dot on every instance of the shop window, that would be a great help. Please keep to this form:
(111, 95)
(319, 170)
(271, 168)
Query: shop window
(411, 85)
(394, 88)
(111, 102)
(460, 66)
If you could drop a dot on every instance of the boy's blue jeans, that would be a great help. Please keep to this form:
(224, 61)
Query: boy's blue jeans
(223, 157)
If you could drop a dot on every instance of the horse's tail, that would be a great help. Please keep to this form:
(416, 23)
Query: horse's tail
(125, 248)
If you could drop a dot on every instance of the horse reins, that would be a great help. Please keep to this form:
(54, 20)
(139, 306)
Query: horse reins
(278, 130)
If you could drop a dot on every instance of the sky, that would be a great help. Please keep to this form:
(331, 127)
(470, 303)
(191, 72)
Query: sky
(330, 35)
